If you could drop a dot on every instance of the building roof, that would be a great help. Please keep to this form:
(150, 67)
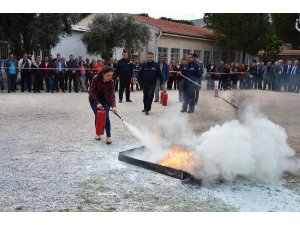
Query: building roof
(164, 25)
(289, 53)
(177, 28)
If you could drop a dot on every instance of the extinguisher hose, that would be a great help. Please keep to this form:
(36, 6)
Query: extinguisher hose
(117, 115)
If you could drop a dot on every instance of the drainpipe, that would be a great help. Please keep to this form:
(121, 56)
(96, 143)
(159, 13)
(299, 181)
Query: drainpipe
(212, 52)
(156, 45)
(297, 24)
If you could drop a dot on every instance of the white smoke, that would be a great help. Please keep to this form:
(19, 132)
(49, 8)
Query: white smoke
(252, 147)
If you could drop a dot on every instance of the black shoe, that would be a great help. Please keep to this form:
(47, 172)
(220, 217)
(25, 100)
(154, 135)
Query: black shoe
(147, 113)
(143, 110)
(190, 111)
(120, 101)
(183, 111)
(155, 100)
(128, 100)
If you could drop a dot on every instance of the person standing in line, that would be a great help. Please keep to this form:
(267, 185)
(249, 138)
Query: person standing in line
(164, 69)
(82, 75)
(24, 68)
(1, 78)
(11, 70)
(37, 74)
(60, 68)
(72, 67)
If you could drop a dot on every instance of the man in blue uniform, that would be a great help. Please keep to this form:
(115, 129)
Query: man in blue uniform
(125, 73)
(148, 75)
(191, 71)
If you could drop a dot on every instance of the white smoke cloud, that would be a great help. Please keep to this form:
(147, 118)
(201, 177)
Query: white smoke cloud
(252, 147)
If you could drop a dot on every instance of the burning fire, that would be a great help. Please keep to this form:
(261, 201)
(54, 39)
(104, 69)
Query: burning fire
(177, 158)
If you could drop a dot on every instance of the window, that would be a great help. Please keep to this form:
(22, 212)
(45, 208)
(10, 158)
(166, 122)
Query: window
(163, 51)
(198, 52)
(175, 55)
(206, 58)
(186, 52)
(4, 50)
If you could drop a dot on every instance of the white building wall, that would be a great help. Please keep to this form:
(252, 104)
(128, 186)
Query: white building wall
(73, 45)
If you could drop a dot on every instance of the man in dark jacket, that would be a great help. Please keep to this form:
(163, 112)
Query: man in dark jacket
(148, 75)
(72, 67)
(125, 73)
(191, 71)
(37, 74)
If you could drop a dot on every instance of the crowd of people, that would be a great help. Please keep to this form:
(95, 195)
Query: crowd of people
(277, 76)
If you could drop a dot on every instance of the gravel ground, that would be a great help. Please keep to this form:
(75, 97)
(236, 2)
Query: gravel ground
(51, 162)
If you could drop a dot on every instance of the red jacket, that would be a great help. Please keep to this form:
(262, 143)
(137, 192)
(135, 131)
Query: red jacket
(108, 89)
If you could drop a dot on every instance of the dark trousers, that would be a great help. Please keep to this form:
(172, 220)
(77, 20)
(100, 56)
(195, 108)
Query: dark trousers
(175, 84)
(26, 80)
(107, 120)
(72, 77)
(65, 81)
(116, 82)
(124, 84)
(37, 78)
(11, 82)
(49, 83)
(189, 95)
(56, 81)
(148, 91)
(292, 81)
(267, 81)
(1, 82)
(170, 83)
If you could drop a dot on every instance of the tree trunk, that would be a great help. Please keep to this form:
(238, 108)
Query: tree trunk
(244, 56)
(228, 52)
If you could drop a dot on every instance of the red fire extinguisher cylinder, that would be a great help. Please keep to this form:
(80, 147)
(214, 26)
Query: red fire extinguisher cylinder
(100, 123)
(165, 99)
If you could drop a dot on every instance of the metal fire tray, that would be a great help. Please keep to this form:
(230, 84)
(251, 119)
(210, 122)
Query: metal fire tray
(125, 157)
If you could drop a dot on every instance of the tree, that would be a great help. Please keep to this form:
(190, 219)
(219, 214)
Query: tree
(272, 48)
(247, 32)
(109, 31)
(178, 21)
(29, 31)
(284, 27)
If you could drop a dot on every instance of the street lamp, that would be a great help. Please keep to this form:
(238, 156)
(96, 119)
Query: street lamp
(297, 24)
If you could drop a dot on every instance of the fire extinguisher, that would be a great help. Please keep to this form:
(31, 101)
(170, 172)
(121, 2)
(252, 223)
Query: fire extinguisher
(161, 97)
(100, 124)
(165, 99)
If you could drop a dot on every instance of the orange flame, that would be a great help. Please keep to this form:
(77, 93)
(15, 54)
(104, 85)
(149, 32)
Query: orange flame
(177, 158)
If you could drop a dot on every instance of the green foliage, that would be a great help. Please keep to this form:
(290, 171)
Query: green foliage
(109, 31)
(178, 21)
(248, 32)
(143, 14)
(29, 31)
(272, 48)
(284, 28)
